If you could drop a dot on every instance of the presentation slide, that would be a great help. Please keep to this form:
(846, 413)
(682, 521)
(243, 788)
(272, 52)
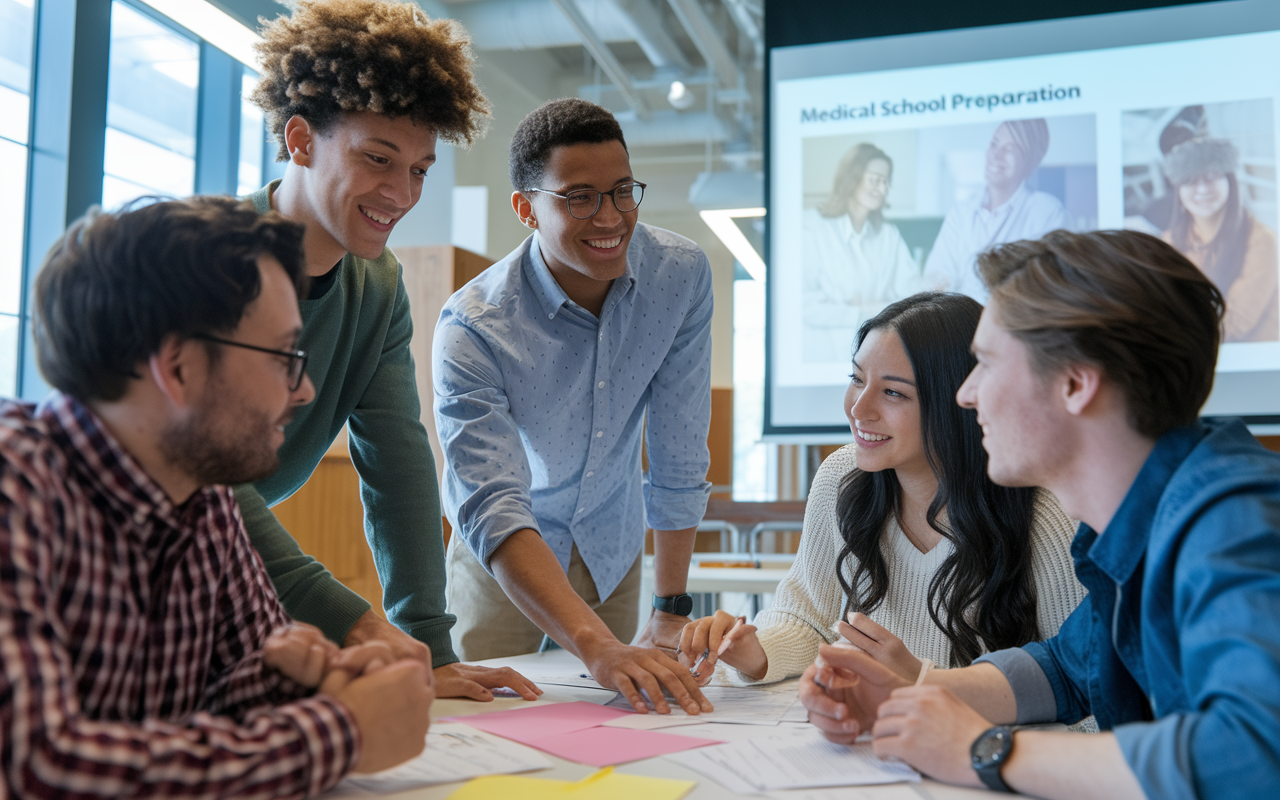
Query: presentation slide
(886, 182)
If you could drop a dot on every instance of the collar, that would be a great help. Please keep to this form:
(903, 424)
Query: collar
(1017, 198)
(850, 233)
(105, 463)
(1119, 550)
(261, 198)
(551, 295)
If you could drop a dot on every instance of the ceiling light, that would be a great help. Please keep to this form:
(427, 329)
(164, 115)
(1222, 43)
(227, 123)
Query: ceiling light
(679, 96)
(212, 24)
(721, 223)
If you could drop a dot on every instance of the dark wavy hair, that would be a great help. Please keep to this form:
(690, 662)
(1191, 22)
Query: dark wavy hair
(333, 57)
(117, 283)
(984, 594)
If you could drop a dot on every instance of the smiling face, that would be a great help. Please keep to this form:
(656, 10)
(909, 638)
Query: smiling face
(236, 424)
(883, 407)
(360, 177)
(1005, 167)
(584, 255)
(1021, 422)
(873, 188)
(1206, 196)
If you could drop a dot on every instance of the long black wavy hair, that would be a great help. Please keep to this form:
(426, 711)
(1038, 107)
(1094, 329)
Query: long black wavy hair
(984, 594)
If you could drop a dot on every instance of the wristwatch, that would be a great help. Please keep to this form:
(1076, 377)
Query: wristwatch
(678, 604)
(988, 754)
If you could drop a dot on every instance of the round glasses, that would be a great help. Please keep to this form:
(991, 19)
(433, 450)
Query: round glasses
(585, 203)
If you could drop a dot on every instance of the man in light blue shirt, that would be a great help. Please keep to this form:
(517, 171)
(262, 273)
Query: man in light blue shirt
(551, 368)
(1095, 355)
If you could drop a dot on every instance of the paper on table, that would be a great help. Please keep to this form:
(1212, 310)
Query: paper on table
(899, 792)
(738, 705)
(602, 747)
(798, 758)
(604, 785)
(539, 720)
(454, 752)
(650, 722)
(570, 680)
(571, 731)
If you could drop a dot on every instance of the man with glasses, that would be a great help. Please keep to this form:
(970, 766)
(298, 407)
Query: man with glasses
(550, 370)
(143, 650)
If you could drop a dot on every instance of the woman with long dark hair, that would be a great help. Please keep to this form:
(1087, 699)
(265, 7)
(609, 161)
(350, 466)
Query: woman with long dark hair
(1212, 227)
(903, 525)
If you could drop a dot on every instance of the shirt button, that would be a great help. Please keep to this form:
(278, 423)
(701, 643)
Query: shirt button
(551, 316)
(589, 474)
(581, 510)
(599, 434)
(600, 385)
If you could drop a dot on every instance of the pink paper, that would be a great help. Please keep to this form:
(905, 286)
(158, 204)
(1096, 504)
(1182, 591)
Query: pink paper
(605, 747)
(540, 721)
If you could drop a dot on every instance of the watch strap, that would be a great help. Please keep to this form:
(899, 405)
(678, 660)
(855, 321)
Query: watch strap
(988, 769)
(678, 604)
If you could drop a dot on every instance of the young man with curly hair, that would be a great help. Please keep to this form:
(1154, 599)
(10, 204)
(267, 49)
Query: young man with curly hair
(145, 653)
(1095, 356)
(550, 369)
(357, 92)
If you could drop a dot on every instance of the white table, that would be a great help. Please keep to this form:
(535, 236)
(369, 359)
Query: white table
(560, 662)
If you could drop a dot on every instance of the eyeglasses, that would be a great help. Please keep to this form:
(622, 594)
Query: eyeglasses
(585, 203)
(297, 358)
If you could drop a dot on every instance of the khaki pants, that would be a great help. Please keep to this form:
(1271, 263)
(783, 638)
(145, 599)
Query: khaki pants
(489, 624)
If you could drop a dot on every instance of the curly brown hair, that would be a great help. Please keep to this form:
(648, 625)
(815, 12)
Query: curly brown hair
(332, 57)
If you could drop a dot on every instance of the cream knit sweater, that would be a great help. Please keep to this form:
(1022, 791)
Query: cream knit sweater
(809, 600)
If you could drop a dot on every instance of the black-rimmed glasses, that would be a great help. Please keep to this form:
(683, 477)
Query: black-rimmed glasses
(297, 358)
(585, 203)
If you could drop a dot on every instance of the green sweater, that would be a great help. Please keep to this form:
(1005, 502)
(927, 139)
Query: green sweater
(357, 340)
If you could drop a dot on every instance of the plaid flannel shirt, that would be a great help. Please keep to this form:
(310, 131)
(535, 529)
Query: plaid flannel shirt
(131, 633)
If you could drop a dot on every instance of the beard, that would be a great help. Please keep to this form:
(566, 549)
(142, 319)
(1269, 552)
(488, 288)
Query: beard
(222, 442)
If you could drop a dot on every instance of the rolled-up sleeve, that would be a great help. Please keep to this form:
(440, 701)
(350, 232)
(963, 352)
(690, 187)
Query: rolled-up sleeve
(486, 487)
(676, 487)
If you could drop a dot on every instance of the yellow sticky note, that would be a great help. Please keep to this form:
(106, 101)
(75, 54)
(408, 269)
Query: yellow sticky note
(603, 785)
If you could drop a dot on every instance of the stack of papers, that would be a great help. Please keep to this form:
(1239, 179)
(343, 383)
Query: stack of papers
(454, 753)
(604, 785)
(795, 758)
(573, 732)
(734, 705)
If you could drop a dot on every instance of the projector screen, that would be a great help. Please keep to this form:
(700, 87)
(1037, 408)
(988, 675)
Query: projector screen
(893, 161)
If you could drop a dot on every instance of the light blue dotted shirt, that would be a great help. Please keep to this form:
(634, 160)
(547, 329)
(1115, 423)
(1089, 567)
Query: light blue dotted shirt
(541, 407)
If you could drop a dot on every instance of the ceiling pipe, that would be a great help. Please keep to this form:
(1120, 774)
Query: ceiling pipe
(703, 33)
(604, 57)
(747, 25)
(651, 34)
(536, 24)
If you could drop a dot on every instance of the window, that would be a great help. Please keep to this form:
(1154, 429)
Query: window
(252, 137)
(152, 99)
(17, 21)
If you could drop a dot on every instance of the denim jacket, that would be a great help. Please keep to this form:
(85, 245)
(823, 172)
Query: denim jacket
(1177, 647)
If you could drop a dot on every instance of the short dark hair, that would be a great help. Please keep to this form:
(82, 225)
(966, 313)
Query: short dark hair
(332, 57)
(1124, 301)
(556, 123)
(117, 283)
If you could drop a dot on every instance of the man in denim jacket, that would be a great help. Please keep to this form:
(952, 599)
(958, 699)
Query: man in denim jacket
(1094, 357)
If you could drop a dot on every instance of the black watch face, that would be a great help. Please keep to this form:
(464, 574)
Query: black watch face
(683, 605)
(989, 747)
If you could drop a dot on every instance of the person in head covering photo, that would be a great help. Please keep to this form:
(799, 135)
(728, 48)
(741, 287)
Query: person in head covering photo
(855, 263)
(1211, 226)
(1007, 210)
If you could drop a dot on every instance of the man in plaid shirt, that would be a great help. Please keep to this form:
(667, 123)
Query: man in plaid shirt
(143, 651)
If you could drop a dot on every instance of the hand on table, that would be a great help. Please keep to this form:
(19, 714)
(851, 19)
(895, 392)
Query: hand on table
(877, 642)
(723, 636)
(662, 631)
(931, 729)
(843, 695)
(630, 669)
(467, 680)
(391, 703)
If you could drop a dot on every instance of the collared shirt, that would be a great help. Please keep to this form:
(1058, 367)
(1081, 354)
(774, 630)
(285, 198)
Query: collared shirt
(131, 633)
(1177, 646)
(849, 277)
(541, 407)
(970, 227)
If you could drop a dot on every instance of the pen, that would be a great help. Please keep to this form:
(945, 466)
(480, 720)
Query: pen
(697, 665)
(728, 637)
(925, 666)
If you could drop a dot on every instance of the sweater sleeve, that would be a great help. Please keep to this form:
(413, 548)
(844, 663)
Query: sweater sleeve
(809, 600)
(1057, 590)
(307, 590)
(401, 495)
